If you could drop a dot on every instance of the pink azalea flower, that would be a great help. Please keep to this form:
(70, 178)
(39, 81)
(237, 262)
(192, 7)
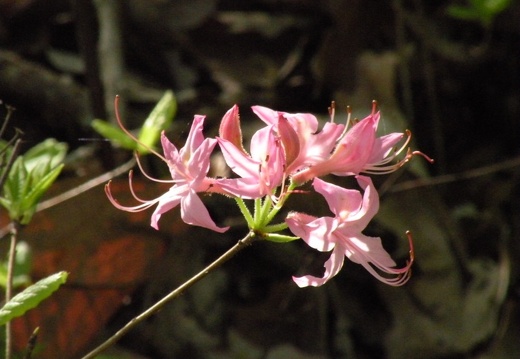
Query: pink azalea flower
(261, 171)
(342, 235)
(188, 167)
(359, 150)
(312, 147)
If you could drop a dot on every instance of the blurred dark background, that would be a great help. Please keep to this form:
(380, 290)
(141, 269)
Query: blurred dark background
(447, 70)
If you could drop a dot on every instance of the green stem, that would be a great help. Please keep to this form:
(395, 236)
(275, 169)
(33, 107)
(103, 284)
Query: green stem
(241, 244)
(270, 216)
(245, 212)
(15, 225)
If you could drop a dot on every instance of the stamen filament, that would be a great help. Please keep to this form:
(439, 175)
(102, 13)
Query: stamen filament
(150, 177)
(129, 134)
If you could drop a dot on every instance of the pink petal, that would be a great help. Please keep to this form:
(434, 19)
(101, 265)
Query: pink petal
(199, 162)
(169, 149)
(240, 163)
(270, 117)
(266, 148)
(303, 123)
(341, 201)
(370, 205)
(353, 151)
(262, 142)
(319, 146)
(332, 267)
(195, 213)
(371, 255)
(246, 188)
(316, 232)
(195, 137)
(290, 140)
(383, 145)
(364, 249)
(230, 127)
(166, 202)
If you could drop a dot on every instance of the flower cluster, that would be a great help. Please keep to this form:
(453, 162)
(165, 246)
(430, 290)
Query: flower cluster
(284, 154)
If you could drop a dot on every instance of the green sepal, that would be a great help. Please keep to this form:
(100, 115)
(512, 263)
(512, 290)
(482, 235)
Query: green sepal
(31, 296)
(279, 238)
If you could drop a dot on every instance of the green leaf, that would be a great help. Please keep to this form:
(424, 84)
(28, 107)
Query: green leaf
(30, 176)
(114, 134)
(462, 12)
(22, 267)
(31, 296)
(159, 119)
(491, 7)
(483, 11)
(14, 188)
(23, 259)
(50, 153)
(31, 199)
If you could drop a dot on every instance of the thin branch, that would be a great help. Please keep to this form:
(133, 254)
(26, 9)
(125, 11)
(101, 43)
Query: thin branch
(76, 191)
(94, 182)
(10, 110)
(455, 177)
(14, 155)
(241, 244)
(15, 226)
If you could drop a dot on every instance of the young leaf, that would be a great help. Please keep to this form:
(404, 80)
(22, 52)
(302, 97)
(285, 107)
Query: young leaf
(30, 176)
(31, 199)
(159, 119)
(49, 152)
(114, 134)
(14, 188)
(31, 296)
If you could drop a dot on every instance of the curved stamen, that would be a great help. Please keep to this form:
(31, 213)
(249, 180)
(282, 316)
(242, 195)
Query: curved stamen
(131, 186)
(129, 134)
(382, 168)
(332, 111)
(374, 107)
(402, 274)
(138, 208)
(426, 157)
(147, 175)
(348, 124)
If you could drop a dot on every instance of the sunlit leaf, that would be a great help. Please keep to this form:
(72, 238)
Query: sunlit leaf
(114, 134)
(49, 152)
(31, 296)
(30, 176)
(159, 119)
(14, 188)
(31, 199)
